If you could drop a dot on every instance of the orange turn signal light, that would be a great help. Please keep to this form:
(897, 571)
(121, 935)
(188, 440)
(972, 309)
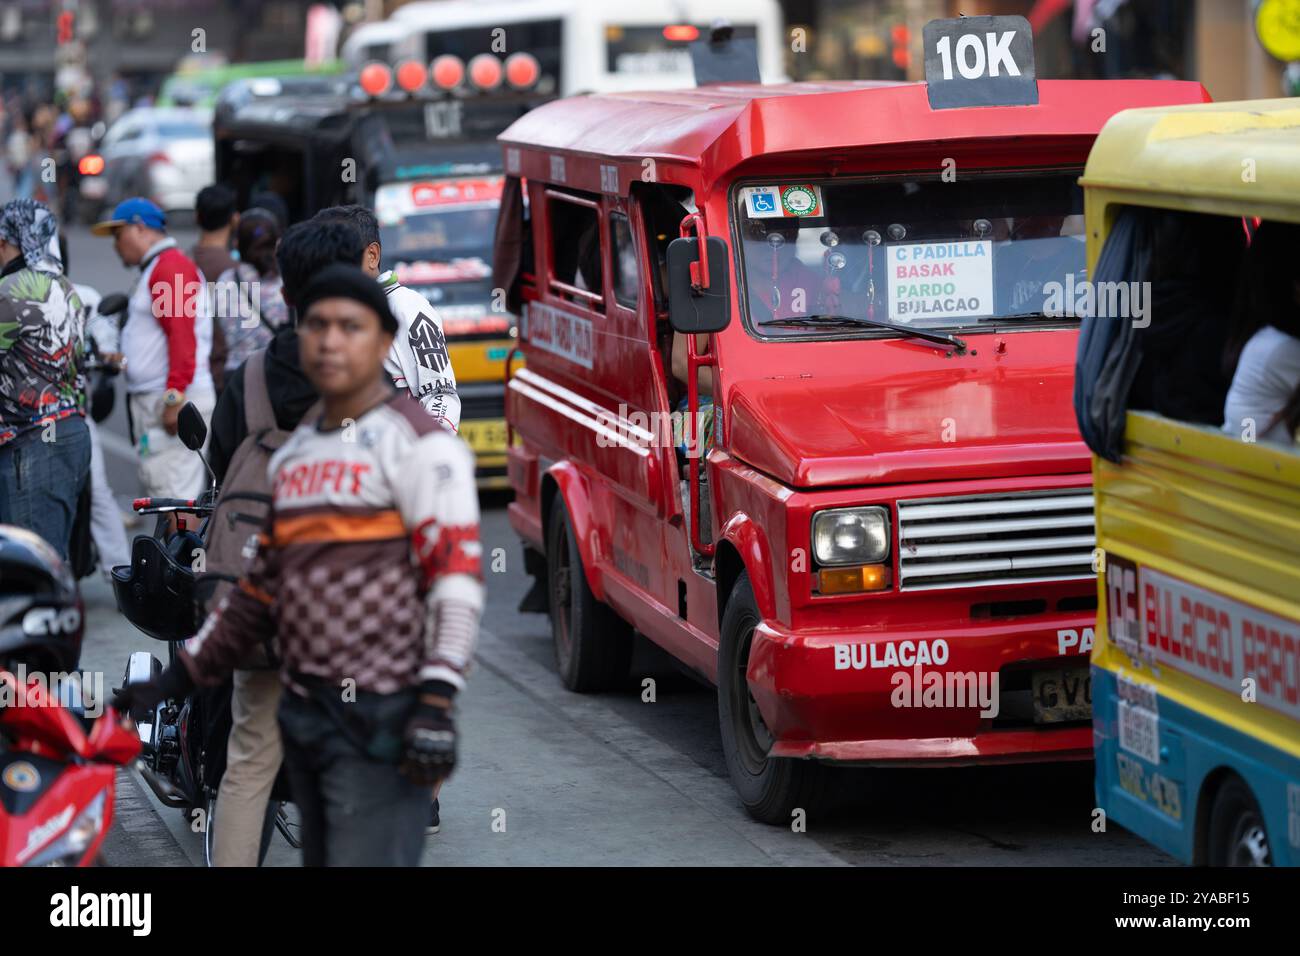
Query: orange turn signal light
(868, 577)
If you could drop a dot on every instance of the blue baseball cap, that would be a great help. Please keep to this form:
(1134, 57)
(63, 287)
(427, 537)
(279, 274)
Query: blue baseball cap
(134, 210)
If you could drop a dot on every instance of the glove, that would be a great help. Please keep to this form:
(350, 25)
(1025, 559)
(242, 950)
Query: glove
(138, 700)
(429, 744)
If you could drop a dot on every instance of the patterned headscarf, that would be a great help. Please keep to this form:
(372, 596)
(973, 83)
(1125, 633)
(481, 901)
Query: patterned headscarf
(32, 227)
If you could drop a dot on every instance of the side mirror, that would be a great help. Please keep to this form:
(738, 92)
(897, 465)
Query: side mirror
(112, 303)
(190, 427)
(692, 310)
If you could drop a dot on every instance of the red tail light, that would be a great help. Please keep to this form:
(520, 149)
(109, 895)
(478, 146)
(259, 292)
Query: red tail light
(447, 71)
(681, 33)
(92, 164)
(522, 70)
(485, 71)
(376, 79)
(158, 158)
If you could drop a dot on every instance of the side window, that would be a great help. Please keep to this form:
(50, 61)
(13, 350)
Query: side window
(623, 264)
(575, 249)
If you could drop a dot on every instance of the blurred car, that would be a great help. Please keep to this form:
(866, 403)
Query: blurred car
(164, 154)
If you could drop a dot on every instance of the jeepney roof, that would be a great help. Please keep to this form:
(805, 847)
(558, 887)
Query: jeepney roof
(719, 126)
(1233, 158)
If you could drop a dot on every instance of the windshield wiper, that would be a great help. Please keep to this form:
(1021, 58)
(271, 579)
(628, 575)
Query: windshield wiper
(848, 321)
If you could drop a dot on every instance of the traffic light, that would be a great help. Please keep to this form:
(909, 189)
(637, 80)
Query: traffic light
(65, 27)
(902, 38)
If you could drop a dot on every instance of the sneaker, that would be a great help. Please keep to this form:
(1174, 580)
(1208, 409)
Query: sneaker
(433, 818)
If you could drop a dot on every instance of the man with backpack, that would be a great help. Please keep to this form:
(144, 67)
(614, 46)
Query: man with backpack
(262, 403)
(369, 572)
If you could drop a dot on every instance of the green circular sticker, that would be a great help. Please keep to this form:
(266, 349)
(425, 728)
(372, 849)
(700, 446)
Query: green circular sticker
(799, 200)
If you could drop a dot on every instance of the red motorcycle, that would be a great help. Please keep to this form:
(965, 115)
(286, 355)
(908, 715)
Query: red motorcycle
(56, 761)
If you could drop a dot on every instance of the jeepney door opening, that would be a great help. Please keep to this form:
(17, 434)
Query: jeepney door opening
(663, 208)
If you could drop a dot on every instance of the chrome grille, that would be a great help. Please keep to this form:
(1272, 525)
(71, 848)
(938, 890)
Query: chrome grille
(995, 539)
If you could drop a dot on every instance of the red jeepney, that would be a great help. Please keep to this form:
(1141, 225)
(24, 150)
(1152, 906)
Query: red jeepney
(880, 548)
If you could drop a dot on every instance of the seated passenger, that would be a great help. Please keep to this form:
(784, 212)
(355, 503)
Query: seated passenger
(1192, 274)
(1264, 399)
(780, 285)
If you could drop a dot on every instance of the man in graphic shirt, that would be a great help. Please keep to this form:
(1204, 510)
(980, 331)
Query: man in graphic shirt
(369, 574)
(419, 361)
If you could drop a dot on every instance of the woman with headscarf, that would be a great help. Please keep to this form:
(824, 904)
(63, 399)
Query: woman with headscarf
(44, 442)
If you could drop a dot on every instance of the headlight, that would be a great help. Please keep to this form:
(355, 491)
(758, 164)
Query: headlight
(851, 536)
(71, 847)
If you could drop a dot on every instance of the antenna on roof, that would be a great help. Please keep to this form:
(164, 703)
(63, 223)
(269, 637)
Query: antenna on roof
(724, 57)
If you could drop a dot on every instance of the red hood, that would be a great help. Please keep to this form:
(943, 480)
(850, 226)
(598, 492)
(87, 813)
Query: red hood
(810, 431)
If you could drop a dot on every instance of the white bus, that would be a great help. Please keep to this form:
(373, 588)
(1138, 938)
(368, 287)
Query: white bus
(589, 45)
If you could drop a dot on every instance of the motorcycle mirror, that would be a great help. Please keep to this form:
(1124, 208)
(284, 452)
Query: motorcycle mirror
(190, 427)
(112, 304)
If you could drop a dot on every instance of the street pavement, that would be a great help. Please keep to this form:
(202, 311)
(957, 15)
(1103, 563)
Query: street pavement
(551, 778)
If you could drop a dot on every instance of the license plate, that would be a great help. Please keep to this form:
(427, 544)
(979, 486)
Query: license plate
(485, 435)
(1062, 694)
(94, 187)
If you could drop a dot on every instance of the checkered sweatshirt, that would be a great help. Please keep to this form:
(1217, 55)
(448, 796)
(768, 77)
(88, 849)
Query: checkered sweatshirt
(369, 566)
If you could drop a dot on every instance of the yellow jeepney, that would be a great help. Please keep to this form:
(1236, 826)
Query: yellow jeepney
(1196, 660)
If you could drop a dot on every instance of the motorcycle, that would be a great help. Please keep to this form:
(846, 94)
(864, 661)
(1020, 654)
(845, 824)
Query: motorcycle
(183, 741)
(57, 771)
(56, 762)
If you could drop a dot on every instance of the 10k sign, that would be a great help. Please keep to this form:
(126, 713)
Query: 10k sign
(980, 61)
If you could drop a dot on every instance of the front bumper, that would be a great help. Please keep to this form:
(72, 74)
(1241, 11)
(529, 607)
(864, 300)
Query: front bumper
(858, 695)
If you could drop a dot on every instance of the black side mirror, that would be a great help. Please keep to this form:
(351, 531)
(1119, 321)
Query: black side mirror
(190, 427)
(112, 303)
(693, 307)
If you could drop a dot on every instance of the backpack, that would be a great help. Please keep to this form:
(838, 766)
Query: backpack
(244, 501)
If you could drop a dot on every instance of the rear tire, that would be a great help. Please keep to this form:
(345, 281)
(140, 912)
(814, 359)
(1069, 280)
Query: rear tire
(771, 788)
(593, 645)
(1237, 833)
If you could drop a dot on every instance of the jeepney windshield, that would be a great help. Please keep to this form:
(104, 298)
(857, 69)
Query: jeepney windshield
(981, 251)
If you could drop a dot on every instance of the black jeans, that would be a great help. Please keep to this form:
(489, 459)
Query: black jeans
(357, 809)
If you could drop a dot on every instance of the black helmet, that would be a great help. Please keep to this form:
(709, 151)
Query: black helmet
(156, 591)
(41, 617)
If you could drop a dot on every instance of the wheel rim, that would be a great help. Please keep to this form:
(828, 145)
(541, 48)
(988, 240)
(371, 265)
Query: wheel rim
(753, 739)
(561, 597)
(1250, 843)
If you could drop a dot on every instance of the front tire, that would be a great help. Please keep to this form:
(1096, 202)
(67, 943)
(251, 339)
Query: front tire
(593, 645)
(771, 788)
(1237, 833)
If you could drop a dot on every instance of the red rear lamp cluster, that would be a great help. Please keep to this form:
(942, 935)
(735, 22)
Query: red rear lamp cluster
(91, 164)
(447, 72)
(681, 33)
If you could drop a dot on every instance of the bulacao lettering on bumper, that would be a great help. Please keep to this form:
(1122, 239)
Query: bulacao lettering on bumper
(828, 695)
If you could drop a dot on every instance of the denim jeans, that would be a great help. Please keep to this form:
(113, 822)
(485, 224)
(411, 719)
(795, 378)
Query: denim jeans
(356, 810)
(41, 480)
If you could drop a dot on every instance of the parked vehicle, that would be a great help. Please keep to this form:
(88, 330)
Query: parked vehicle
(1196, 667)
(884, 552)
(163, 154)
(57, 758)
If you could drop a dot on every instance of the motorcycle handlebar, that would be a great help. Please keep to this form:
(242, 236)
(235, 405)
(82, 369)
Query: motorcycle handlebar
(157, 506)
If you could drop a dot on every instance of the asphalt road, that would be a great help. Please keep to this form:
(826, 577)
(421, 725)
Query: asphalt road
(552, 778)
